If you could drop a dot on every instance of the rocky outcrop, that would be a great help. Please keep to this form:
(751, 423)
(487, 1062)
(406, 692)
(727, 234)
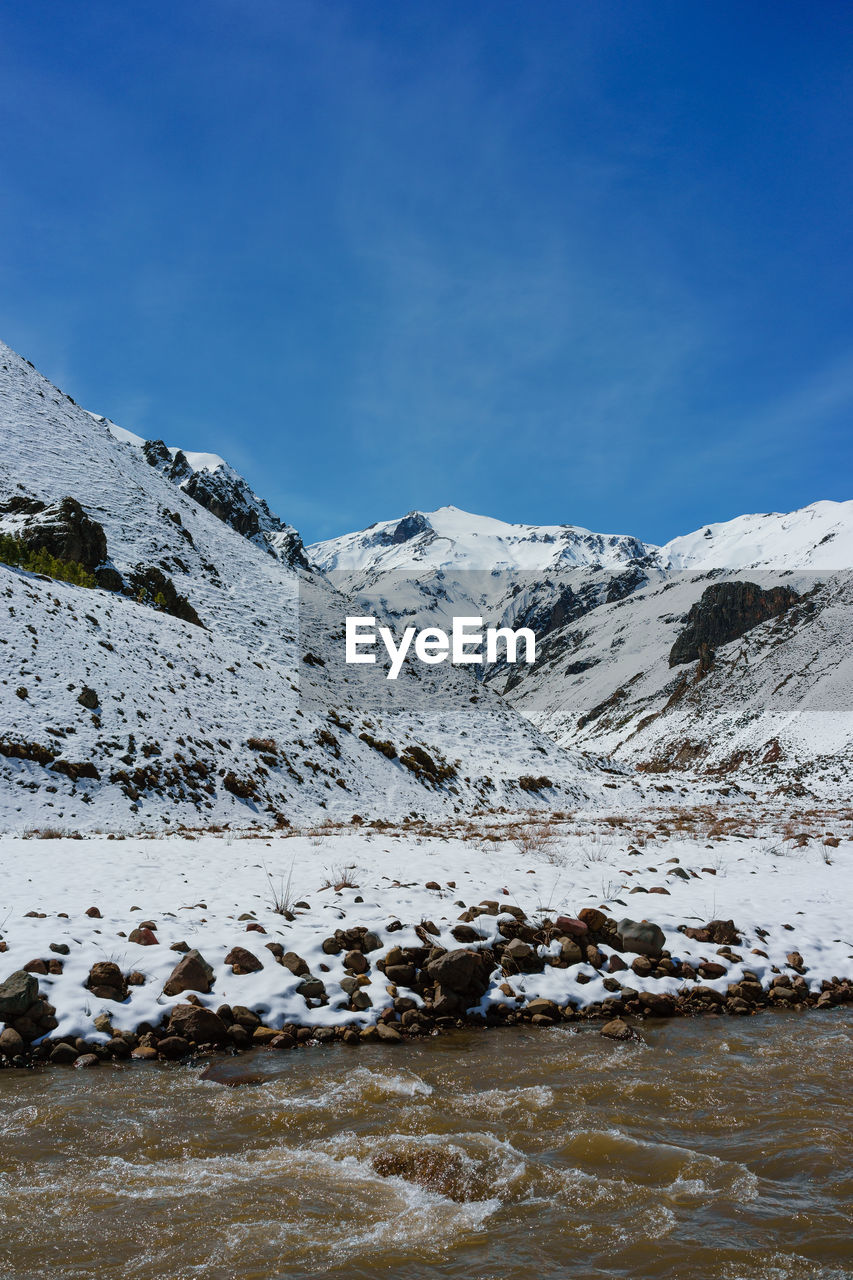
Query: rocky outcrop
(65, 531)
(726, 611)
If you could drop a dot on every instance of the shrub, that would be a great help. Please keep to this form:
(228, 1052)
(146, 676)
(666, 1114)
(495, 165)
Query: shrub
(13, 552)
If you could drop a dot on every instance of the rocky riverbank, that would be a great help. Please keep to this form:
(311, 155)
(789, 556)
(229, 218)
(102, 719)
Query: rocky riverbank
(427, 987)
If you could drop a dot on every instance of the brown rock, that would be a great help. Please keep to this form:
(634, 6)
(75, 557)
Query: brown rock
(191, 973)
(144, 1053)
(195, 1023)
(243, 961)
(173, 1047)
(11, 1043)
(86, 1061)
(617, 1030)
(143, 936)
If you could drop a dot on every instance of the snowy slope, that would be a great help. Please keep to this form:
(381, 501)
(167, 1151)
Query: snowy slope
(215, 485)
(168, 738)
(818, 537)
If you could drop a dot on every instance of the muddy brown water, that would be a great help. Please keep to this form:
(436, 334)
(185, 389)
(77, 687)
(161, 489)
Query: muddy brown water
(717, 1150)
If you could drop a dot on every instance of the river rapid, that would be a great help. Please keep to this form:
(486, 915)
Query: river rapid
(715, 1149)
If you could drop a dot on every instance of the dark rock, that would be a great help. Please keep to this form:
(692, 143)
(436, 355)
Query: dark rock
(88, 698)
(86, 1061)
(726, 611)
(17, 993)
(66, 532)
(11, 1043)
(63, 1054)
(463, 973)
(466, 933)
(174, 1047)
(402, 975)
(192, 1022)
(295, 964)
(311, 989)
(640, 937)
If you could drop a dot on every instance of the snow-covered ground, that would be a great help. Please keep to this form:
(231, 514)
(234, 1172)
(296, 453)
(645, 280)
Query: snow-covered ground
(210, 892)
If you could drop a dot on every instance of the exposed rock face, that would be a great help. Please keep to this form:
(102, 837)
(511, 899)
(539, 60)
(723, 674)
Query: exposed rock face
(226, 495)
(726, 611)
(66, 532)
(409, 527)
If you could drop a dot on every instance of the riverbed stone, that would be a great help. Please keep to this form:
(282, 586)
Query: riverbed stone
(194, 1022)
(616, 1029)
(11, 1043)
(17, 993)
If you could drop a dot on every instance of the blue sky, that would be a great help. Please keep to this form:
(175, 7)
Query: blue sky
(552, 262)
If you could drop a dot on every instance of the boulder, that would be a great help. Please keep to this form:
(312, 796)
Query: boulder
(193, 1022)
(465, 972)
(640, 937)
(17, 993)
(191, 973)
(11, 1043)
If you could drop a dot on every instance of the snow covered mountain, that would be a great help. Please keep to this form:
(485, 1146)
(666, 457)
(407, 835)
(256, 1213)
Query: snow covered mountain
(171, 653)
(819, 536)
(450, 539)
(770, 696)
(176, 675)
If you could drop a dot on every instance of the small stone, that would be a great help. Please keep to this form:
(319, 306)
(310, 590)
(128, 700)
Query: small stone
(93, 913)
(144, 1053)
(388, 1034)
(264, 1035)
(11, 1043)
(63, 1054)
(617, 1030)
(356, 962)
(86, 1061)
(60, 948)
(243, 961)
(433, 885)
(173, 1047)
